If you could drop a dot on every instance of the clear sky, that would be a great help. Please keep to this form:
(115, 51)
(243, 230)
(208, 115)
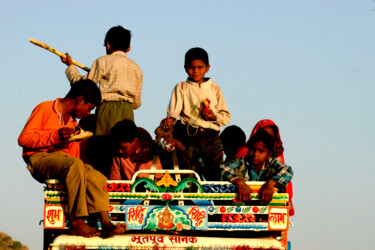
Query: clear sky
(307, 65)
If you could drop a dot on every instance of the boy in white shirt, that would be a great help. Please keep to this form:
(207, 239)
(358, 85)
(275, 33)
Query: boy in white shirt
(200, 104)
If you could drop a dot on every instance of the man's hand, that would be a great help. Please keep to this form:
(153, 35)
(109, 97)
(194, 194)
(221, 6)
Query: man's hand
(244, 191)
(266, 192)
(208, 114)
(68, 60)
(65, 133)
(167, 122)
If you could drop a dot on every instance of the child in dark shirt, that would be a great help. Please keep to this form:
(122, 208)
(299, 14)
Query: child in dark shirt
(232, 139)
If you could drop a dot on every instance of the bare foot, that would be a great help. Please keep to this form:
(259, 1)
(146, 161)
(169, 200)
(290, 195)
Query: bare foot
(79, 227)
(110, 229)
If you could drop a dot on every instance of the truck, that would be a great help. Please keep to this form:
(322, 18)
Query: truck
(177, 211)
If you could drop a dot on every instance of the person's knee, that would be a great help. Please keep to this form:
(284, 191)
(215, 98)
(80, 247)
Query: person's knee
(77, 166)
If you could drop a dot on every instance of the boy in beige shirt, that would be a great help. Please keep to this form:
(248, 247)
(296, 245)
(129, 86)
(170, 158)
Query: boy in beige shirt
(200, 104)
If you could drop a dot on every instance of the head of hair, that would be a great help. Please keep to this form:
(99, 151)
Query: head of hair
(118, 38)
(86, 88)
(124, 131)
(196, 54)
(264, 137)
(233, 136)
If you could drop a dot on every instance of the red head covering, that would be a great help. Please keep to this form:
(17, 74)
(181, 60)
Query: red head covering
(242, 151)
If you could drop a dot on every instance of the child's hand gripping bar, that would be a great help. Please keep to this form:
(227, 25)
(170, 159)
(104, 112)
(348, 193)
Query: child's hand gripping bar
(45, 46)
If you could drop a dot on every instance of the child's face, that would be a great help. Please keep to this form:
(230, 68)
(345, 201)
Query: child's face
(82, 109)
(258, 153)
(196, 70)
(127, 149)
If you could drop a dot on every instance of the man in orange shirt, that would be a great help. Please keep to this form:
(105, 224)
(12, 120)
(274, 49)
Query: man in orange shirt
(50, 154)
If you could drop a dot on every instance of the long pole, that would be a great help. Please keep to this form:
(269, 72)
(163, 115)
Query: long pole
(45, 46)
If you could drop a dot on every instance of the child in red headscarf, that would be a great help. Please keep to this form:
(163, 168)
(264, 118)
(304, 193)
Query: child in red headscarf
(258, 165)
(270, 127)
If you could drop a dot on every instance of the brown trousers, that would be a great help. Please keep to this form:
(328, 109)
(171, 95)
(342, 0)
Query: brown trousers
(85, 191)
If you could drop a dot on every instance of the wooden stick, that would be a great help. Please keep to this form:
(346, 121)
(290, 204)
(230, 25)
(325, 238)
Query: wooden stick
(45, 46)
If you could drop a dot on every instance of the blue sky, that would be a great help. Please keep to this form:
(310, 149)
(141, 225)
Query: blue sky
(307, 65)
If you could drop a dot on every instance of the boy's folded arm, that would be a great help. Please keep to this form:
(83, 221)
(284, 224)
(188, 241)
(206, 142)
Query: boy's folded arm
(222, 113)
(32, 136)
(244, 191)
(228, 173)
(222, 118)
(38, 139)
(283, 175)
(267, 190)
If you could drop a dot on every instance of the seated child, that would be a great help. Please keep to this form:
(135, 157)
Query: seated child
(258, 165)
(133, 151)
(50, 154)
(232, 139)
(200, 104)
(270, 127)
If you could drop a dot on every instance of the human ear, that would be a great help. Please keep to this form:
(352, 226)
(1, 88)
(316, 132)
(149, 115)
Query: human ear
(127, 49)
(207, 68)
(136, 140)
(108, 46)
(79, 99)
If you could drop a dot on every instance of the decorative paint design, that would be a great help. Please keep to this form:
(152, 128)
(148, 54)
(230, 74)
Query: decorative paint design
(197, 215)
(141, 240)
(166, 181)
(219, 188)
(166, 217)
(278, 199)
(278, 218)
(262, 226)
(117, 187)
(117, 208)
(182, 239)
(231, 214)
(239, 210)
(179, 218)
(237, 218)
(136, 215)
(54, 216)
(167, 197)
(169, 240)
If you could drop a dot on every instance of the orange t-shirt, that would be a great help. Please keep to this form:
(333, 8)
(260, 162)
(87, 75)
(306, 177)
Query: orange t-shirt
(40, 133)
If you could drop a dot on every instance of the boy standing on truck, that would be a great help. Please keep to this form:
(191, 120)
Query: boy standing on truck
(120, 82)
(258, 165)
(51, 154)
(200, 104)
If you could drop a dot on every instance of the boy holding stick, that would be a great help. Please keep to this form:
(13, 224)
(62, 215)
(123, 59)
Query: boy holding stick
(120, 82)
